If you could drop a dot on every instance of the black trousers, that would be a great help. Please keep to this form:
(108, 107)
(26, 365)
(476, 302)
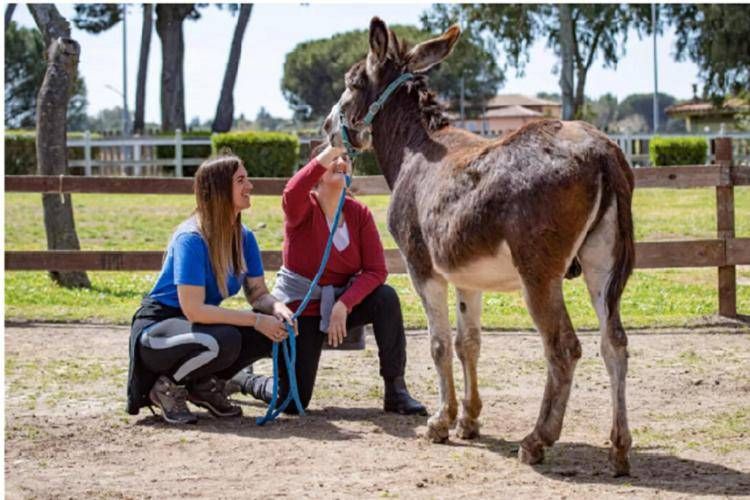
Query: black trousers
(190, 352)
(382, 309)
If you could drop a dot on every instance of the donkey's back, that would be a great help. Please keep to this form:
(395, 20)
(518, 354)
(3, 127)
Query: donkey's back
(493, 210)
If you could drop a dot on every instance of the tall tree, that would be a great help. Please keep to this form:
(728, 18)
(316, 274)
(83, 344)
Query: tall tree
(52, 104)
(169, 20)
(314, 70)
(9, 13)
(140, 88)
(98, 17)
(716, 37)
(596, 29)
(25, 67)
(225, 108)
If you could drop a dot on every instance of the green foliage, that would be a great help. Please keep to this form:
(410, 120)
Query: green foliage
(509, 30)
(25, 67)
(665, 151)
(715, 37)
(314, 71)
(643, 105)
(20, 151)
(366, 164)
(265, 154)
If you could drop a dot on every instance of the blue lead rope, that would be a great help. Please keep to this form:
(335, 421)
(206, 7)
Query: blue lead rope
(289, 345)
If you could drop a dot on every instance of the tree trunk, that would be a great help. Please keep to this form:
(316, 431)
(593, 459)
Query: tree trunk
(140, 88)
(225, 108)
(51, 113)
(566, 53)
(169, 19)
(9, 13)
(580, 96)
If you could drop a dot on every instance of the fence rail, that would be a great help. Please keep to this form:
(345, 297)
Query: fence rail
(725, 252)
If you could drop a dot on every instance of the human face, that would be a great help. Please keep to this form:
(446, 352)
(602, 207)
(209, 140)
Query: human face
(241, 187)
(335, 177)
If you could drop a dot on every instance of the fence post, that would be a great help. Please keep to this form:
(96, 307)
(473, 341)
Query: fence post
(725, 227)
(87, 153)
(178, 153)
(138, 168)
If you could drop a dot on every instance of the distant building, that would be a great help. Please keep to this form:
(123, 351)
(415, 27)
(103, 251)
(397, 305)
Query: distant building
(507, 112)
(704, 117)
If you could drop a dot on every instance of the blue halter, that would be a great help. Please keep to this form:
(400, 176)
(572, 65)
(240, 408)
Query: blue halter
(373, 110)
(289, 345)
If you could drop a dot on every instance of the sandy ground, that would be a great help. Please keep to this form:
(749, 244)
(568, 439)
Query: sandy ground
(67, 435)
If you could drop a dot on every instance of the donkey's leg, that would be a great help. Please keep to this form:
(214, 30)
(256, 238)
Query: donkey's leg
(434, 295)
(562, 350)
(598, 262)
(468, 341)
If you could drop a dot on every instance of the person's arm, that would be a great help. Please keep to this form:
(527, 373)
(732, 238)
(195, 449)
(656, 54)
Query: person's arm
(295, 200)
(192, 302)
(258, 296)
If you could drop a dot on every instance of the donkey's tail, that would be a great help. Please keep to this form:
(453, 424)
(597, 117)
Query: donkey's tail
(618, 176)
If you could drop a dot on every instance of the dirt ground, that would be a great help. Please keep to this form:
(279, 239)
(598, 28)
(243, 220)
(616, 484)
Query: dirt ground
(67, 435)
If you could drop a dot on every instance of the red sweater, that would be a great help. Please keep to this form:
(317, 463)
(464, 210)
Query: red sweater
(306, 234)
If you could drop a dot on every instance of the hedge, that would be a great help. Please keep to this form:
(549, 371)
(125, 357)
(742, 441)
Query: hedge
(665, 151)
(20, 151)
(265, 154)
(366, 164)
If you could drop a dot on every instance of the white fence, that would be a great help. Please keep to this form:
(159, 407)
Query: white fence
(137, 155)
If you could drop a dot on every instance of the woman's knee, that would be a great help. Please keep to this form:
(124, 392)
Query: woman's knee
(387, 296)
(228, 339)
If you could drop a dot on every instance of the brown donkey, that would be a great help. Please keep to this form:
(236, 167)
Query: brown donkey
(501, 215)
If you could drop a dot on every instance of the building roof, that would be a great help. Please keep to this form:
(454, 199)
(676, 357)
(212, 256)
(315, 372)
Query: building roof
(512, 112)
(503, 100)
(693, 108)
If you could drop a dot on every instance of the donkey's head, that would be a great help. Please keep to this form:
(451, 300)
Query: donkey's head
(366, 80)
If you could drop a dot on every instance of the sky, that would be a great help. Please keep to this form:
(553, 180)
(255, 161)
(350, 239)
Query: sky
(275, 29)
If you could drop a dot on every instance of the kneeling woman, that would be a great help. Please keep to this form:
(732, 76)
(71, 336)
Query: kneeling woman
(183, 345)
(352, 291)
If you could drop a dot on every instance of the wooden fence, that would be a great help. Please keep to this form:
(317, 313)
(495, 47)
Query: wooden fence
(725, 252)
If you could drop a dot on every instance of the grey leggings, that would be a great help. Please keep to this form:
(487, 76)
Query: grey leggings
(186, 351)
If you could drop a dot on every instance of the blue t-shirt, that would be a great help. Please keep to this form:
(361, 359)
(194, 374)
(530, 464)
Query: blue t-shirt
(188, 263)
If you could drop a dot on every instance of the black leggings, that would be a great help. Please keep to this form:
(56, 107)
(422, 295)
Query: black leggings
(189, 352)
(382, 309)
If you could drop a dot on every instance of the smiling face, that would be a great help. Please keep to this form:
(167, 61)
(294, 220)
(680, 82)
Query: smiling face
(335, 177)
(241, 188)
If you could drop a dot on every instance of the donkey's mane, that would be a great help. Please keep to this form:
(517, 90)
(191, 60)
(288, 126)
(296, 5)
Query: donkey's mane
(431, 110)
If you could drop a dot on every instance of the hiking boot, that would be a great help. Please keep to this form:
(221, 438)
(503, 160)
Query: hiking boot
(209, 394)
(238, 383)
(398, 400)
(171, 398)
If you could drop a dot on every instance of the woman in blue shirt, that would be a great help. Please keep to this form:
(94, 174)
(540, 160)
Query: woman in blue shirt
(183, 344)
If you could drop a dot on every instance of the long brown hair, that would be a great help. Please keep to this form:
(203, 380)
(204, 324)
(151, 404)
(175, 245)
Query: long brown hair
(214, 209)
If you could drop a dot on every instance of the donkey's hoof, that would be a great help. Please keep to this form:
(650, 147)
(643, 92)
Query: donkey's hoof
(620, 462)
(531, 454)
(437, 431)
(467, 428)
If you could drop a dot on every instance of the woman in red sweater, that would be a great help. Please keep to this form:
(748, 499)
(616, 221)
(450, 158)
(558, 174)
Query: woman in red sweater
(352, 291)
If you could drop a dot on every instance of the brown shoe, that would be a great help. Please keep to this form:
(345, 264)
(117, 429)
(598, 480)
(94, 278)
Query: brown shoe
(209, 394)
(171, 399)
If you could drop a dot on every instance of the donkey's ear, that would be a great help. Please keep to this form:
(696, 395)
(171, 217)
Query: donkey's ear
(378, 39)
(428, 54)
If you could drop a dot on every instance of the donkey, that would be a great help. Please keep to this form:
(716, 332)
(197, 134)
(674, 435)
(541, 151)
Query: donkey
(495, 214)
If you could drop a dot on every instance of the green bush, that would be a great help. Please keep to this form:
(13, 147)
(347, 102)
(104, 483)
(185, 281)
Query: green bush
(366, 164)
(665, 151)
(265, 154)
(167, 152)
(20, 151)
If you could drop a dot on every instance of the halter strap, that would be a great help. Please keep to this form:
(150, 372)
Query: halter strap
(373, 110)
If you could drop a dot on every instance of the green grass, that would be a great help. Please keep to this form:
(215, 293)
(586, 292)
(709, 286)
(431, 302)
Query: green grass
(145, 222)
